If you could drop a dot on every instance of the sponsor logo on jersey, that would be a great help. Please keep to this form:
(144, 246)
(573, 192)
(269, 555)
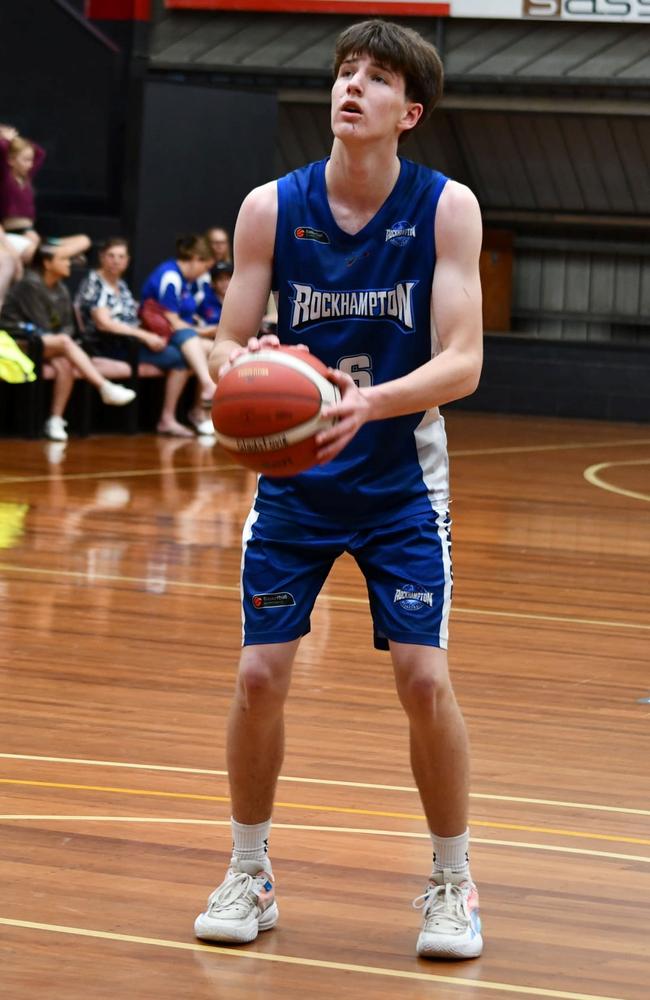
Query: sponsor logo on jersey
(283, 599)
(400, 233)
(412, 599)
(307, 233)
(315, 305)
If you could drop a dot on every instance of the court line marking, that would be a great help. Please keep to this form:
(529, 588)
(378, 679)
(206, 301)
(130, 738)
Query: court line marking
(323, 596)
(460, 453)
(372, 970)
(591, 475)
(344, 810)
(323, 781)
(408, 834)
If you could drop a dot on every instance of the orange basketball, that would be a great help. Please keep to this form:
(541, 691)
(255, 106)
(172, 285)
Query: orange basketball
(267, 409)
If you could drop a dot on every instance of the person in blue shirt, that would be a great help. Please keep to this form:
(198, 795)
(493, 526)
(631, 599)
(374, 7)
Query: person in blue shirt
(215, 291)
(175, 285)
(375, 264)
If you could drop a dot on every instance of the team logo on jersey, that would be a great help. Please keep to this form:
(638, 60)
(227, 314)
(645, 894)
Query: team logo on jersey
(307, 233)
(412, 599)
(283, 599)
(400, 233)
(310, 306)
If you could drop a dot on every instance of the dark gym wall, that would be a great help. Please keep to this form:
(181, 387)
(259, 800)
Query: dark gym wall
(58, 83)
(202, 149)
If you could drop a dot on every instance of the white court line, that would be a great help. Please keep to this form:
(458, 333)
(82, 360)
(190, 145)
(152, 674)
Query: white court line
(461, 453)
(591, 475)
(408, 834)
(323, 596)
(596, 807)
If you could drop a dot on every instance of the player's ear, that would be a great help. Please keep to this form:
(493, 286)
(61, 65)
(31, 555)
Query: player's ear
(411, 116)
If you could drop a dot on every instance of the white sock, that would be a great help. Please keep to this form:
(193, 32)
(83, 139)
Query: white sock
(251, 843)
(452, 853)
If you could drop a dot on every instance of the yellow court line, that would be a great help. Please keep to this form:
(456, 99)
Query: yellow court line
(324, 781)
(345, 810)
(408, 834)
(367, 970)
(591, 475)
(324, 596)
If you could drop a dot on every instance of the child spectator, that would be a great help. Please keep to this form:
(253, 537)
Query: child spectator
(220, 275)
(42, 299)
(175, 286)
(20, 160)
(108, 314)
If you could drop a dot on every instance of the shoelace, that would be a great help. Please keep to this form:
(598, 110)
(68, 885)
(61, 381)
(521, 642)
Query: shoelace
(231, 891)
(443, 903)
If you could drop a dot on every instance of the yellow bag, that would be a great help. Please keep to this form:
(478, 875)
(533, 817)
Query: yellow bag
(15, 366)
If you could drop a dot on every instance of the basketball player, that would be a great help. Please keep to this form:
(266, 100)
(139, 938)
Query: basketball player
(375, 264)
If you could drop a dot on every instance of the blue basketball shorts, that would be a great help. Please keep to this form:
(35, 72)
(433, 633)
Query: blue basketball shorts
(406, 565)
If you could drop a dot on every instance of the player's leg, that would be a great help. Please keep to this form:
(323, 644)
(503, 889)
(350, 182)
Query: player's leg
(284, 566)
(437, 736)
(256, 729)
(408, 571)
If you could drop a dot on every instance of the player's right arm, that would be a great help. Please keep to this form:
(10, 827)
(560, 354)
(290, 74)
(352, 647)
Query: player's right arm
(245, 302)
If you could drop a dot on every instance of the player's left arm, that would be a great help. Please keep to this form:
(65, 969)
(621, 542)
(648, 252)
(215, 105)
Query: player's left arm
(456, 311)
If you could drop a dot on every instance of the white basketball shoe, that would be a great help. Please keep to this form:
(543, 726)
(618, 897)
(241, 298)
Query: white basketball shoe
(242, 906)
(451, 926)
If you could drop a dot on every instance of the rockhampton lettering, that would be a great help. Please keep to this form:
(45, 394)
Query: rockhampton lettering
(412, 595)
(313, 305)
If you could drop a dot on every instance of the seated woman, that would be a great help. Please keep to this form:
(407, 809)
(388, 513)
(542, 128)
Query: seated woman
(174, 285)
(108, 313)
(20, 159)
(42, 299)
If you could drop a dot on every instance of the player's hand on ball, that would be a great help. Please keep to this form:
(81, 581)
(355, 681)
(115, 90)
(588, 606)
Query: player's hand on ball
(351, 413)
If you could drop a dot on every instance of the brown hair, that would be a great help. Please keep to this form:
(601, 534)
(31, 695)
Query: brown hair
(44, 252)
(401, 50)
(114, 241)
(188, 247)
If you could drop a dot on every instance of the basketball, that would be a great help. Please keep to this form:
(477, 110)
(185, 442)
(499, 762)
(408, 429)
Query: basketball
(267, 410)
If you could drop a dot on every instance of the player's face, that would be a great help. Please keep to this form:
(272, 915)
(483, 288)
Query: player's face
(369, 102)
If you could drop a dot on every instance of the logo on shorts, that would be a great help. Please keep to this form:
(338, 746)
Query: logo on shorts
(307, 233)
(283, 599)
(412, 599)
(400, 233)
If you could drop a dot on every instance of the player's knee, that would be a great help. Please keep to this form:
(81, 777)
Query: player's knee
(260, 684)
(422, 690)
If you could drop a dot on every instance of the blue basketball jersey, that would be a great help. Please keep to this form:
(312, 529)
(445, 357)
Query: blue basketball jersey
(362, 304)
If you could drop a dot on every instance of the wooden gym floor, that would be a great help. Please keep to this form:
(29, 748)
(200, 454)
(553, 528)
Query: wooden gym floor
(119, 636)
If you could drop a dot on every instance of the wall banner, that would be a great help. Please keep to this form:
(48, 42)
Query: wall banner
(629, 11)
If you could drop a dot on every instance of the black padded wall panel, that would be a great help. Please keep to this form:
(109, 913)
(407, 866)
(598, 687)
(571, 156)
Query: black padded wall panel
(202, 150)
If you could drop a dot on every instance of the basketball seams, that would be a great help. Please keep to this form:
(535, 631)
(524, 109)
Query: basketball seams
(280, 357)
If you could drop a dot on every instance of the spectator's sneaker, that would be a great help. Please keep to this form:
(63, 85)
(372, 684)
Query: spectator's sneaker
(116, 395)
(451, 927)
(55, 429)
(240, 907)
(202, 425)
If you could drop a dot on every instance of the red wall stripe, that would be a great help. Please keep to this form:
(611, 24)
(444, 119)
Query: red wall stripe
(427, 9)
(118, 10)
